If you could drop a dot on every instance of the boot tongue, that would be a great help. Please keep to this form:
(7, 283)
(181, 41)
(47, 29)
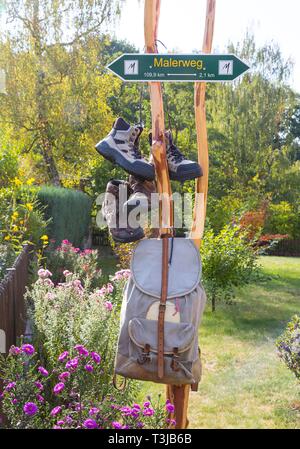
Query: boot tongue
(121, 125)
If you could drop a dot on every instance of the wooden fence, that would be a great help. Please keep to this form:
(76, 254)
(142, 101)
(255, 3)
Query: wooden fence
(12, 305)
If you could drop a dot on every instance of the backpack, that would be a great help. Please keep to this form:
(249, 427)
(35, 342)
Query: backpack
(163, 303)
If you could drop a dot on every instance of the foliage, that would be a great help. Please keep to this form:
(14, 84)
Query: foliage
(288, 345)
(228, 261)
(283, 219)
(84, 264)
(69, 211)
(7, 257)
(69, 396)
(21, 216)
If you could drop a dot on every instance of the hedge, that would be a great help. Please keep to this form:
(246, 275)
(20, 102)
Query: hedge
(69, 211)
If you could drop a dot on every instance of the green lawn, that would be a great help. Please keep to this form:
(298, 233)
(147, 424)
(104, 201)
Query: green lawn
(244, 384)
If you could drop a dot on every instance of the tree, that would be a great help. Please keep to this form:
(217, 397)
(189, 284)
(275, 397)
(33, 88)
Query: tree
(48, 73)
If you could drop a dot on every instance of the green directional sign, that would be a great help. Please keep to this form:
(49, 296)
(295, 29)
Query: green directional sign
(161, 67)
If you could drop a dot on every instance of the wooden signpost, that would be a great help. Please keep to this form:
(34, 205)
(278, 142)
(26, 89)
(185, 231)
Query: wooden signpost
(155, 68)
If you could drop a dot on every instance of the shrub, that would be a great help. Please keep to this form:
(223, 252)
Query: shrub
(228, 260)
(69, 395)
(288, 345)
(282, 219)
(84, 264)
(69, 211)
(69, 313)
(21, 216)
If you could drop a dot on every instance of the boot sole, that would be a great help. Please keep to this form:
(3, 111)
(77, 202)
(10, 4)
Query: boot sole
(186, 176)
(131, 239)
(115, 157)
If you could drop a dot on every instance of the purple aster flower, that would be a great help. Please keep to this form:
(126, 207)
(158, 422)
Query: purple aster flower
(14, 401)
(135, 413)
(82, 350)
(59, 388)
(30, 408)
(126, 411)
(56, 410)
(90, 424)
(28, 349)
(60, 422)
(170, 407)
(63, 356)
(116, 425)
(40, 398)
(148, 412)
(68, 419)
(56, 427)
(72, 364)
(39, 385)
(43, 371)
(63, 376)
(140, 424)
(10, 386)
(146, 404)
(96, 357)
(93, 411)
(89, 368)
(136, 406)
(108, 305)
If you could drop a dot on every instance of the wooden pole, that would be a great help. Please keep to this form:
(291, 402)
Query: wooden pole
(201, 188)
(178, 395)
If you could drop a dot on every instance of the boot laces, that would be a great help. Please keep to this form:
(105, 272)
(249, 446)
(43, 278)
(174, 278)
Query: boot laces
(174, 153)
(134, 149)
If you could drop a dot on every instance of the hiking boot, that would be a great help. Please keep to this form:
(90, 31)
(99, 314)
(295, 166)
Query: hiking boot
(117, 191)
(121, 146)
(180, 168)
(141, 194)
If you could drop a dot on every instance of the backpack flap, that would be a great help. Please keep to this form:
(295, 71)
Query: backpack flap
(184, 269)
(143, 333)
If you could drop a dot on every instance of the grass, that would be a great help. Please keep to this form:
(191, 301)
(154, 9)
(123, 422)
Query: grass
(244, 383)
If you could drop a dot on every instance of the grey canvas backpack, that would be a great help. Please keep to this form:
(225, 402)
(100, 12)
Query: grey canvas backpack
(158, 338)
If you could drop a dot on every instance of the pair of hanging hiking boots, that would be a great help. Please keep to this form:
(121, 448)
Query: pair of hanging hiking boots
(121, 146)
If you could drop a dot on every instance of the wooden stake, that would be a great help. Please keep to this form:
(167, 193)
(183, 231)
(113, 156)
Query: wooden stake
(201, 188)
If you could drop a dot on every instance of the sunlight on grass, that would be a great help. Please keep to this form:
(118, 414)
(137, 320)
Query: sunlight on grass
(244, 383)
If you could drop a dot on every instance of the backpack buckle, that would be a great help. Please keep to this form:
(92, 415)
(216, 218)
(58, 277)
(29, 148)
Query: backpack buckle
(174, 362)
(144, 357)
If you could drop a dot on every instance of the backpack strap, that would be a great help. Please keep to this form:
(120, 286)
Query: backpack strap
(162, 306)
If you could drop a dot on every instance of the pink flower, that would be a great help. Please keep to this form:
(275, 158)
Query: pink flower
(58, 388)
(48, 281)
(63, 356)
(50, 296)
(63, 376)
(101, 292)
(89, 368)
(28, 349)
(67, 273)
(30, 408)
(14, 401)
(43, 371)
(66, 242)
(55, 411)
(126, 411)
(82, 350)
(40, 398)
(14, 350)
(96, 357)
(108, 305)
(93, 411)
(90, 424)
(43, 274)
(146, 404)
(77, 284)
(116, 425)
(109, 288)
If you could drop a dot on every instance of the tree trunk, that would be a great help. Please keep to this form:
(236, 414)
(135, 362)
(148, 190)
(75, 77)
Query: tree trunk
(40, 93)
(213, 303)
